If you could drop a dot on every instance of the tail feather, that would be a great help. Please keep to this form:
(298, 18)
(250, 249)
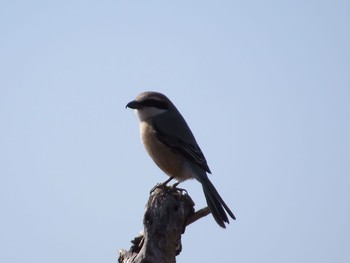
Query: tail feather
(215, 203)
(216, 210)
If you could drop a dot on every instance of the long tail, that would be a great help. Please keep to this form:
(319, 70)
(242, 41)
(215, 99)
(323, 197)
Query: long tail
(215, 203)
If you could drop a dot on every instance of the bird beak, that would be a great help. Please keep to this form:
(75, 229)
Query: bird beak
(133, 105)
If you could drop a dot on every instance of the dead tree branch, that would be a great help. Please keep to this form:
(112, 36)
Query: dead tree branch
(168, 211)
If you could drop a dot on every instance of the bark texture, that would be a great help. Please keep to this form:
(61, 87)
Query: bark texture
(168, 211)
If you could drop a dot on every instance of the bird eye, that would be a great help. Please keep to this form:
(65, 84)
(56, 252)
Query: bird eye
(156, 104)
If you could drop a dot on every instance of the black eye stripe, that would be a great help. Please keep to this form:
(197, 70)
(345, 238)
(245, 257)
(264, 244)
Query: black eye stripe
(155, 103)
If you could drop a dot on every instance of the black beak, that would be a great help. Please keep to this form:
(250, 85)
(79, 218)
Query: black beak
(133, 105)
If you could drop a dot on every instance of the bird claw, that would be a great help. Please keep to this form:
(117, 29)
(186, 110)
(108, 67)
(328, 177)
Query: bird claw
(159, 185)
(162, 185)
(180, 190)
(172, 187)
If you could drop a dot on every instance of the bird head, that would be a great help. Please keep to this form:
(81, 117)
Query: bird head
(149, 104)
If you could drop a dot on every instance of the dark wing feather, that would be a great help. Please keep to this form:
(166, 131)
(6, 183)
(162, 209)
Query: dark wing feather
(192, 152)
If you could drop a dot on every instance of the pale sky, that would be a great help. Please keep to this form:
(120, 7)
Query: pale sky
(264, 86)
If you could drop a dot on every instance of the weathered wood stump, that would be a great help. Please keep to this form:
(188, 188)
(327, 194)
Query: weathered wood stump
(168, 211)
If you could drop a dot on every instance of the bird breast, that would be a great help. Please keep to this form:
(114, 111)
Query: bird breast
(169, 160)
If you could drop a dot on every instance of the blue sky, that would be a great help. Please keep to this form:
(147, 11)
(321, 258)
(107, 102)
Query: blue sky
(264, 86)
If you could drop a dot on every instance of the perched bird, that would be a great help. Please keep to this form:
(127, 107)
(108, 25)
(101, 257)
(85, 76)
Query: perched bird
(172, 146)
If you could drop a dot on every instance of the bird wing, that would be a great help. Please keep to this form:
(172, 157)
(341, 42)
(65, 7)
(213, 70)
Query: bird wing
(189, 150)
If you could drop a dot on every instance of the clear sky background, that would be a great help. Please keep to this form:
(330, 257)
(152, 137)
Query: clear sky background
(264, 85)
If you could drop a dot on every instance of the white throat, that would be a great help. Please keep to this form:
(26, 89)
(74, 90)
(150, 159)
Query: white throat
(148, 112)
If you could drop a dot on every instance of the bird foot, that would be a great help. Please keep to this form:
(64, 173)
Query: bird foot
(172, 187)
(159, 185)
(162, 185)
(180, 190)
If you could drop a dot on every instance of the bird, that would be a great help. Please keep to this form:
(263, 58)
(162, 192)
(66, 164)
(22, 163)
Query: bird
(171, 144)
